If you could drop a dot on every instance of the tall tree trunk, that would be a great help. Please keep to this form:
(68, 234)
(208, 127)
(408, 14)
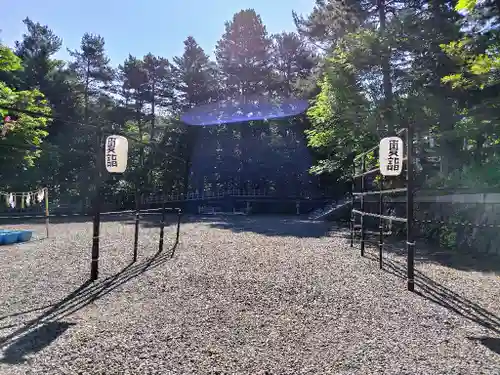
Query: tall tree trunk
(386, 70)
(140, 177)
(191, 142)
(89, 183)
(154, 152)
(446, 116)
(153, 105)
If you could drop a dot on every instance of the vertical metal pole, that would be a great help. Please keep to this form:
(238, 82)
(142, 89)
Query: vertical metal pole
(47, 211)
(410, 244)
(137, 219)
(162, 226)
(94, 265)
(363, 234)
(381, 223)
(352, 203)
(179, 214)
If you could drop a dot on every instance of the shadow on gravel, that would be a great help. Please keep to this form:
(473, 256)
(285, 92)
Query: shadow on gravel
(460, 260)
(24, 312)
(272, 225)
(443, 296)
(268, 225)
(39, 332)
(34, 341)
(492, 343)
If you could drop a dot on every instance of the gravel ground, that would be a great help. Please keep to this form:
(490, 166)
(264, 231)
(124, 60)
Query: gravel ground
(241, 295)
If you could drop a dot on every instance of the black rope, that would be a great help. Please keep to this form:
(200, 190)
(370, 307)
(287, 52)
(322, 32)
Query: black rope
(387, 191)
(437, 222)
(151, 211)
(383, 217)
(457, 223)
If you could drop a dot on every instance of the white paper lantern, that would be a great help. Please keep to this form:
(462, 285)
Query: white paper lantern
(116, 153)
(391, 156)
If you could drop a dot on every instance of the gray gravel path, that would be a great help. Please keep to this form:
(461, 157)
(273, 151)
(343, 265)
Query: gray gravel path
(241, 296)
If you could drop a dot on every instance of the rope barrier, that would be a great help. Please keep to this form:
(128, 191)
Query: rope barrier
(151, 211)
(383, 217)
(458, 223)
(379, 192)
(22, 192)
(440, 222)
(38, 216)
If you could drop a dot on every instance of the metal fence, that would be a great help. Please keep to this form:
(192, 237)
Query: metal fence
(462, 220)
(386, 186)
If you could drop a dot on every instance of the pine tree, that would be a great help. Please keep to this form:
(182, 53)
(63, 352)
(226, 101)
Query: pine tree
(243, 55)
(195, 78)
(36, 49)
(92, 69)
(136, 92)
(292, 62)
(159, 86)
(93, 73)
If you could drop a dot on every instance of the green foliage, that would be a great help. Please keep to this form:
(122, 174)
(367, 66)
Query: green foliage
(478, 52)
(434, 65)
(243, 54)
(194, 76)
(474, 176)
(338, 121)
(466, 5)
(26, 131)
(366, 70)
(142, 98)
(8, 60)
(478, 70)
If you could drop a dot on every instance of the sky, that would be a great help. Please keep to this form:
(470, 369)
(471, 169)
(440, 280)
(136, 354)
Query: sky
(139, 27)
